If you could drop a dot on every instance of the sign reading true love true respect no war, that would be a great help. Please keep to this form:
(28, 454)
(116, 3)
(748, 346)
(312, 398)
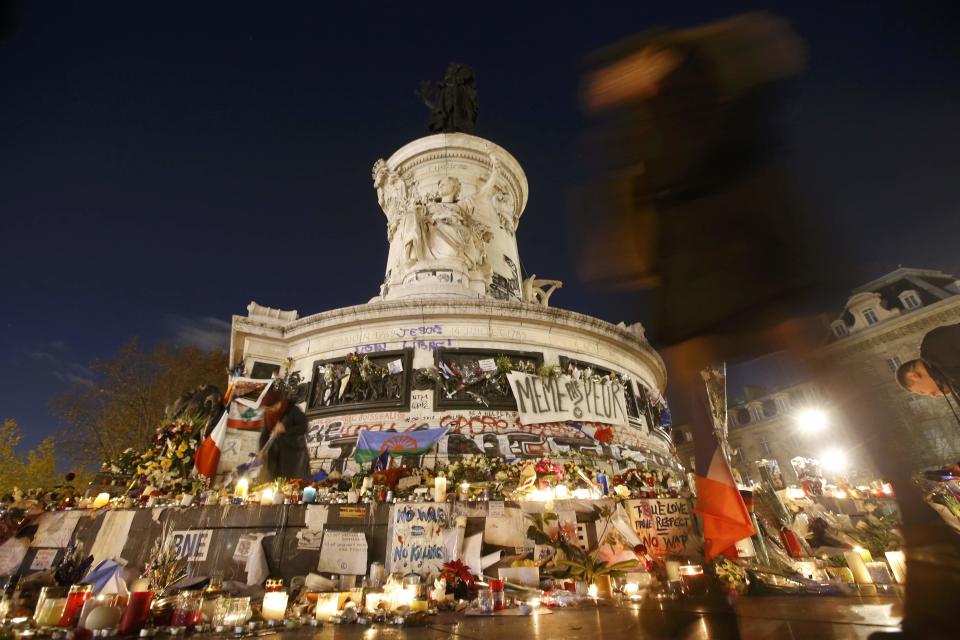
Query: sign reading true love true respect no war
(665, 525)
(561, 398)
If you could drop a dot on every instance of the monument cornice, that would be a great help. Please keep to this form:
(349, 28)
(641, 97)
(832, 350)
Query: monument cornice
(430, 310)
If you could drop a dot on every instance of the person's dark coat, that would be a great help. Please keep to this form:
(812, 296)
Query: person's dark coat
(287, 456)
(940, 351)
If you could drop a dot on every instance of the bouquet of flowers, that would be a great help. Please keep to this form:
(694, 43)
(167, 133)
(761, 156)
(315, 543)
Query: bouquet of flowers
(166, 464)
(731, 576)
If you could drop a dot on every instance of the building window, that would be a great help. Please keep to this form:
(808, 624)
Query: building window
(910, 299)
(769, 408)
(840, 329)
(738, 452)
(764, 446)
(743, 416)
(798, 398)
(463, 383)
(870, 316)
(361, 383)
(894, 363)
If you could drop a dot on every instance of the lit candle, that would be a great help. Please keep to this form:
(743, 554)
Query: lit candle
(898, 565)
(275, 605)
(366, 484)
(673, 570)
(561, 492)
(243, 488)
(266, 497)
(328, 604)
(439, 489)
(859, 568)
(593, 591)
(464, 490)
(631, 588)
(309, 494)
(374, 600)
(534, 603)
(101, 500)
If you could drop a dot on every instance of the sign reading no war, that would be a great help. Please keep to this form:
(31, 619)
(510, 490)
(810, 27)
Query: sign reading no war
(193, 545)
(562, 398)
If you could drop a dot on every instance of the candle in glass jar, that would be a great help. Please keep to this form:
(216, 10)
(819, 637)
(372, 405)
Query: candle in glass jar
(673, 570)
(898, 565)
(439, 489)
(137, 613)
(327, 605)
(275, 605)
(79, 593)
(858, 567)
(309, 494)
(243, 488)
(266, 497)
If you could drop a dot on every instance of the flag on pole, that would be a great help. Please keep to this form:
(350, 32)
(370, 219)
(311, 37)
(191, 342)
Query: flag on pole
(725, 517)
(207, 456)
(372, 444)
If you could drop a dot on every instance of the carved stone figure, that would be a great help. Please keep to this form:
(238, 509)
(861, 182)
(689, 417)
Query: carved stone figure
(453, 101)
(403, 216)
(537, 291)
(453, 231)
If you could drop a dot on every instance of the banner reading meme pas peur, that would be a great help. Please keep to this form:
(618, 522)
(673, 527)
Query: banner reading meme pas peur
(562, 398)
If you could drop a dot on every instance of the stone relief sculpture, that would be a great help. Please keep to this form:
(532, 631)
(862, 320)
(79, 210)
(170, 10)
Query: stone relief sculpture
(538, 291)
(438, 226)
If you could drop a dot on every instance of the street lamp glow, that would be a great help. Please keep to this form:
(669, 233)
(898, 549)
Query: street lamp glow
(834, 460)
(812, 420)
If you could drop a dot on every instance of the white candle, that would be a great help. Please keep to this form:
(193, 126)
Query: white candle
(266, 497)
(328, 604)
(673, 570)
(243, 487)
(275, 605)
(898, 565)
(439, 489)
(101, 500)
(858, 567)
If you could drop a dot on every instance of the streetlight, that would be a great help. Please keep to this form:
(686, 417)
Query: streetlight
(813, 420)
(834, 460)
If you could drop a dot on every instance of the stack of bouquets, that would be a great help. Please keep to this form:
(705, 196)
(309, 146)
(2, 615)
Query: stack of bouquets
(644, 482)
(164, 468)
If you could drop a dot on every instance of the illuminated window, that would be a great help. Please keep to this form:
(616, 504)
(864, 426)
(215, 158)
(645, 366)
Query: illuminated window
(870, 316)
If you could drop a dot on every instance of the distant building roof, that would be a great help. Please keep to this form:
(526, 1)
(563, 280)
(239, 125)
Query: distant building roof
(901, 291)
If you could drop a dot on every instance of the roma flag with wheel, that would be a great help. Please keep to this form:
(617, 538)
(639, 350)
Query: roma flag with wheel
(724, 515)
(207, 456)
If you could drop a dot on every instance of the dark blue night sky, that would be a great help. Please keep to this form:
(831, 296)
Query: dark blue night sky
(163, 164)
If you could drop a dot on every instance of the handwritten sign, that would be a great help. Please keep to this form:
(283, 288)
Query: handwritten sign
(416, 537)
(56, 529)
(665, 525)
(562, 398)
(193, 545)
(44, 559)
(12, 553)
(344, 552)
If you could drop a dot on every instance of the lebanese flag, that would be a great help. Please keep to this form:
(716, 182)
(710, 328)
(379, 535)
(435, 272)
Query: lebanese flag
(725, 517)
(207, 456)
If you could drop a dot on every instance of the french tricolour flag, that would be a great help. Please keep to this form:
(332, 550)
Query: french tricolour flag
(207, 456)
(725, 517)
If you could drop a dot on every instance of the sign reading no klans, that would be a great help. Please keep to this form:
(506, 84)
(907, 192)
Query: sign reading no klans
(562, 398)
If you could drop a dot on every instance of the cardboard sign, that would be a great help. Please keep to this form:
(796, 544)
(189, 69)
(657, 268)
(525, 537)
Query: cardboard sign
(416, 537)
(665, 525)
(353, 512)
(496, 509)
(562, 398)
(56, 529)
(193, 545)
(245, 546)
(44, 559)
(508, 530)
(12, 553)
(344, 552)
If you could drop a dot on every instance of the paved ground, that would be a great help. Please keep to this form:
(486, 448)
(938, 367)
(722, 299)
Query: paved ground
(788, 617)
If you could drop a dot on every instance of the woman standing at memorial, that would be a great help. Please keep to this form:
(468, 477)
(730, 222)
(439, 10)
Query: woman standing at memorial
(286, 424)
